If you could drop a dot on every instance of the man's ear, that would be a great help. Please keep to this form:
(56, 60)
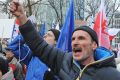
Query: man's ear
(94, 45)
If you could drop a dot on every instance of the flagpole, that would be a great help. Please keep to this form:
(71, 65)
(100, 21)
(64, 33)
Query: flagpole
(13, 31)
(100, 34)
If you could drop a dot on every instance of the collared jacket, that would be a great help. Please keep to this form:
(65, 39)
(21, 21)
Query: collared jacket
(63, 65)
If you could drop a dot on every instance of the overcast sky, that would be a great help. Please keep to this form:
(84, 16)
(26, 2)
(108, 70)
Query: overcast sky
(5, 0)
(2, 0)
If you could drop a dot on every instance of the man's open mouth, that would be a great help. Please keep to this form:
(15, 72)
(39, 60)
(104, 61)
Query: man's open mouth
(77, 49)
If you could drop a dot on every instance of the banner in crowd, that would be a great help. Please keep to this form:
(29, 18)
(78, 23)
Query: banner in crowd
(6, 27)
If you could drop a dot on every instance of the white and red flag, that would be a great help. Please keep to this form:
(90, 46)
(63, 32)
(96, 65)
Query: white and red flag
(100, 27)
(112, 32)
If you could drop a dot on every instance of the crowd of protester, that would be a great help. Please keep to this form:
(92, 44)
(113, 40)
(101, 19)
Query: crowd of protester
(58, 65)
(12, 69)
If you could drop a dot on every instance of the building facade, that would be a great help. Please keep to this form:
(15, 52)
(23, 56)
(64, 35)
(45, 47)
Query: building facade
(116, 24)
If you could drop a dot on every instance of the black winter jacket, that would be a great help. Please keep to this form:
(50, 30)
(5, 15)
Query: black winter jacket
(63, 65)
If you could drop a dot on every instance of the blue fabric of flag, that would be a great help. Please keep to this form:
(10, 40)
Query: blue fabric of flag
(42, 30)
(64, 41)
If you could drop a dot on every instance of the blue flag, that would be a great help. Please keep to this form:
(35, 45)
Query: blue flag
(64, 41)
(42, 29)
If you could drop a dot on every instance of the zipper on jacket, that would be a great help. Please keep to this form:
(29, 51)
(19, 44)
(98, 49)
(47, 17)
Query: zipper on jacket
(82, 71)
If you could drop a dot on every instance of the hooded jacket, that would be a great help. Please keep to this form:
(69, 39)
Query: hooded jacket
(35, 68)
(63, 65)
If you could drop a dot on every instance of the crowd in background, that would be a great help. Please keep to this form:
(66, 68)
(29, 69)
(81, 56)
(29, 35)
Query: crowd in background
(20, 60)
(11, 68)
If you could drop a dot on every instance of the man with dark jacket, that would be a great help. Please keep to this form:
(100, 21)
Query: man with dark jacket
(86, 62)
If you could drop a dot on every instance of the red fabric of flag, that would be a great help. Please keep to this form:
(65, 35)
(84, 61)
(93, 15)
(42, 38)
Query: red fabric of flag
(100, 27)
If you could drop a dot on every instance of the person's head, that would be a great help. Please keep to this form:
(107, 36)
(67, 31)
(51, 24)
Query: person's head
(84, 42)
(51, 37)
(8, 54)
(4, 67)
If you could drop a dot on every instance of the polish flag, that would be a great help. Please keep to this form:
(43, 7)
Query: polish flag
(15, 31)
(112, 32)
(100, 27)
(17, 23)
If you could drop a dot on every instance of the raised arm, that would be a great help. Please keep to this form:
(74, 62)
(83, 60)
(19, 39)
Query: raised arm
(51, 56)
(17, 9)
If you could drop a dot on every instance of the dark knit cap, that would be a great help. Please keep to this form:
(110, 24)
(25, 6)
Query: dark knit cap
(90, 31)
(56, 33)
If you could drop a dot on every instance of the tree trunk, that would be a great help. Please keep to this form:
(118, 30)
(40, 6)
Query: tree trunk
(29, 8)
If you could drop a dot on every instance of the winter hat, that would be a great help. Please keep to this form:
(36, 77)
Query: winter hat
(90, 31)
(56, 33)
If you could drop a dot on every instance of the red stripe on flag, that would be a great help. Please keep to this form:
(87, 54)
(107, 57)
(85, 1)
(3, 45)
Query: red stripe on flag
(100, 27)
